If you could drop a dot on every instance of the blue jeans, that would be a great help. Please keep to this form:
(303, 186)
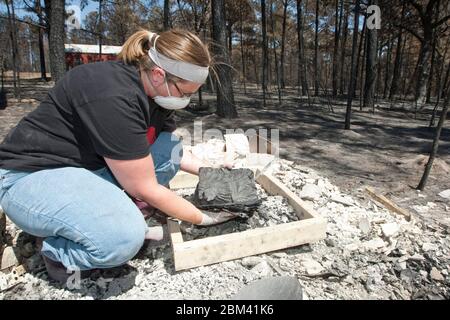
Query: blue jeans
(87, 220)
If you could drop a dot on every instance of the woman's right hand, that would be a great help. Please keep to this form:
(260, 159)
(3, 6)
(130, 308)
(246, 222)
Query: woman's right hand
(211, 218)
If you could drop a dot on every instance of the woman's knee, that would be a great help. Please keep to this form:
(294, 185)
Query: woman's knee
(120, 243)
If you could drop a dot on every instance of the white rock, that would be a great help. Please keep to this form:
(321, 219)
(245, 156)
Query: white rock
(436, 275)
(390, 229)
(424, 208)
(310, 192)
(237, 143)
(3, 281)
(364, 225)
(428, 246)
(250, 262)
(322, 185)
(417, 257)
(346, 201)
(445, 194)
(263, 269)
(9, 258)
(259, 159)
(374, 244)
(352, 247)
(312, 267)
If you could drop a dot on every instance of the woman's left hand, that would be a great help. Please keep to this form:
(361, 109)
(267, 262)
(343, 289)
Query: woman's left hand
(228, 161)
(229, 164)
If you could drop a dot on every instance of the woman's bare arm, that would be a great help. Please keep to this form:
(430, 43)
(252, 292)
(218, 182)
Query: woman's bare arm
(138, 179)
(191, 164)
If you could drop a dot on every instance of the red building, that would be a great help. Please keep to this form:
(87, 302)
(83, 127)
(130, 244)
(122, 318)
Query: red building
(77, 54)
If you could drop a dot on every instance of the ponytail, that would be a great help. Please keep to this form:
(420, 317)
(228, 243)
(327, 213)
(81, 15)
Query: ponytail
(176, 44)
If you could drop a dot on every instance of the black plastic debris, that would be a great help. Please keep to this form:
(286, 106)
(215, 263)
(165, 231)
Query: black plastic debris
(233, 190)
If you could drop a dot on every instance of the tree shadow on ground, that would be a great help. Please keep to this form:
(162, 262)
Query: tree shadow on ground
(311, 133)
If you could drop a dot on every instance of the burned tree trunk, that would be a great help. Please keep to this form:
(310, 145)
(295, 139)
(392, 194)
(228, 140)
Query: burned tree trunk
(398, 58)
(387, 72)
(371, 66)
(440, 90)
(430, 21)
(283, 44)
(166, 14)
(100, 31)
(264, 50)
(435, 145)
(343, 51)
(301, 51)
(277, 66)
(56, 39)
(316, 52)
(446, 82)
(337, 32)
(423, 70)
(225, 96)
(361, 48)
(14, 47)
(241, 38)
(41, 41)
(354, 71)
(230, 39)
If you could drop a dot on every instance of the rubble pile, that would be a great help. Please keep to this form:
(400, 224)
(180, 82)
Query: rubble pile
(369, 253)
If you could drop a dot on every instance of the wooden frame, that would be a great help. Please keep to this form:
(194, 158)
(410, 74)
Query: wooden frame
(200, 252)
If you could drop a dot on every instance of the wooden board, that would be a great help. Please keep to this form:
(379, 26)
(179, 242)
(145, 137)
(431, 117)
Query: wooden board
(388, 204)
(237, 245)
(206, 251)
(274, 186)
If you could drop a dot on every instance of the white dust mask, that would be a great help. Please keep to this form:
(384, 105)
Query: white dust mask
(171, 103)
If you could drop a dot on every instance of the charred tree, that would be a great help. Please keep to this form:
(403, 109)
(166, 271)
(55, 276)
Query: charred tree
(354, 70)
(435, 145)
(225, 95)
(56, 39)
(371, 65)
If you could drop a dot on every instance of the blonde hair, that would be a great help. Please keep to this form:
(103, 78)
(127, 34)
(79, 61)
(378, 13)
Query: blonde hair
(175, 43)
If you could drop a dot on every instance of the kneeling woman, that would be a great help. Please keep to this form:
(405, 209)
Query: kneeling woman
(105, 128)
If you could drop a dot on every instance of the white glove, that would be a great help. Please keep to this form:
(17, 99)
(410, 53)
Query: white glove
(211, 218)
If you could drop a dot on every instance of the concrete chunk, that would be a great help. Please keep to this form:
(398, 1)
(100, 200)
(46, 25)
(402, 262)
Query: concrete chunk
(237, 143)
(9, 258)
(390, 229)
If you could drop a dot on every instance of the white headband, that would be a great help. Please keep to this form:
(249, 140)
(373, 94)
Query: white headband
(184, 70)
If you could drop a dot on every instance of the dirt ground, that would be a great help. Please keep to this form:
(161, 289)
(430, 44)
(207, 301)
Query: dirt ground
(386, 150)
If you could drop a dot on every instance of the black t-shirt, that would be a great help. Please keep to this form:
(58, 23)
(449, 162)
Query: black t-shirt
(96, 110)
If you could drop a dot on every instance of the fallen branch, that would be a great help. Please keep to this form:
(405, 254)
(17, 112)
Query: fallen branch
(391, 206)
